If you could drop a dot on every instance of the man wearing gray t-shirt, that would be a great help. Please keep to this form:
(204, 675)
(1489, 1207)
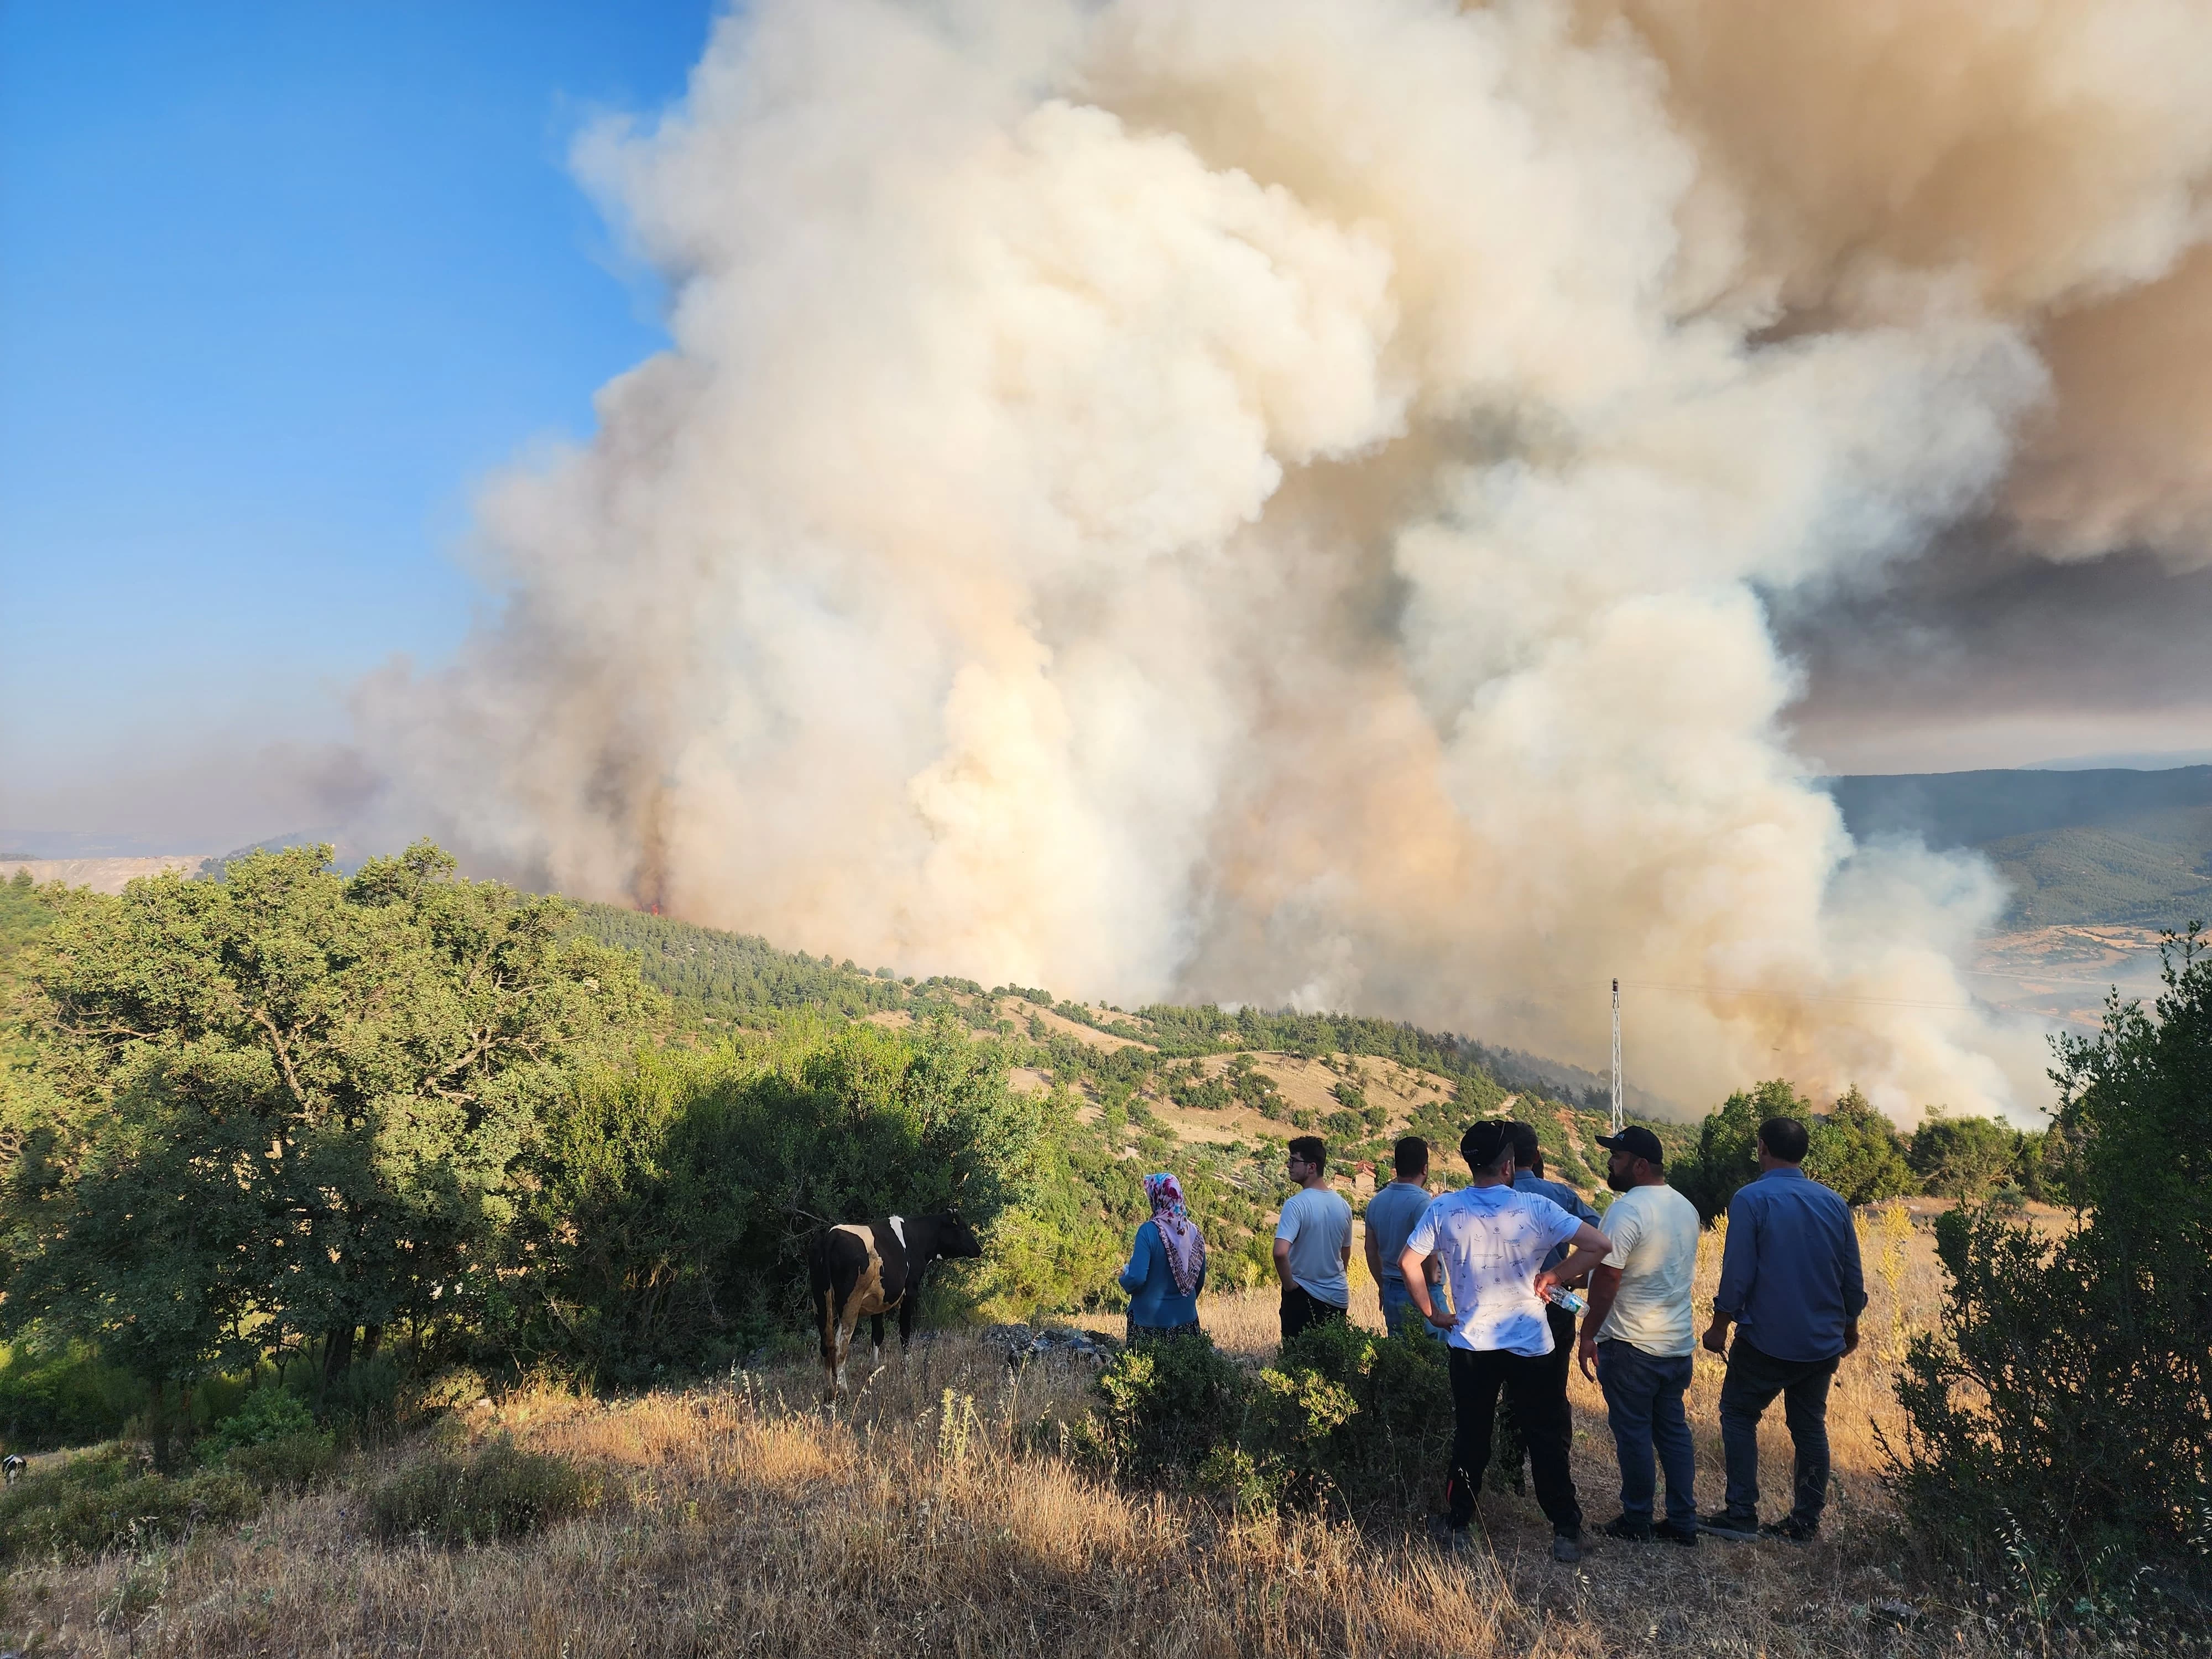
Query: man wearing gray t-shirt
(1391, 1215)
(1313, 1242)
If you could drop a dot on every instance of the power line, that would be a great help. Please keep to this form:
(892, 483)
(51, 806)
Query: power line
(1795, 996)
(2040, 978)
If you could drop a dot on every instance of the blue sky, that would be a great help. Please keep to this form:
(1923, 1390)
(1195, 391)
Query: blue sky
(278, 284)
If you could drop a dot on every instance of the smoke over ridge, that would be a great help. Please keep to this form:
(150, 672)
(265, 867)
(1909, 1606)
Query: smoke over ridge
(1282, 501)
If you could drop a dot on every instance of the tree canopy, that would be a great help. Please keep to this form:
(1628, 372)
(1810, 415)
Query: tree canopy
(1728, 1145)
(1857, 1151)
(1963, 1157)
(287, 1104)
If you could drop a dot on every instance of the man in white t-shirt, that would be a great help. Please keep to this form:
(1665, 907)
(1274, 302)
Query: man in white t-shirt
(1639, 1336)
(1493, 1242)
(1313, 1242)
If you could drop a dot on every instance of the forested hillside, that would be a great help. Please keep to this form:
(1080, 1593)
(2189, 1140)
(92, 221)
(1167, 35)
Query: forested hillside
(2106, 848)
(1209, 1093)
(2153, 869)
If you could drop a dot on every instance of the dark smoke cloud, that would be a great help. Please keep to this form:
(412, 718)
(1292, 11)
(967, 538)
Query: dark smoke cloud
(1983, 654)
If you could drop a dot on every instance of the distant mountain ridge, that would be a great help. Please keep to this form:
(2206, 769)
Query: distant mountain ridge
(2108, 847)
(1965, 809)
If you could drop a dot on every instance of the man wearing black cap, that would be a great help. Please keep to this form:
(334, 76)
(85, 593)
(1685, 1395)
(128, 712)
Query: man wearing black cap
(1639, 1336)
(1493, 1242)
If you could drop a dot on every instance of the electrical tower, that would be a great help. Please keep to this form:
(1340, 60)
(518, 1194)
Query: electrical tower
(1617, 1119)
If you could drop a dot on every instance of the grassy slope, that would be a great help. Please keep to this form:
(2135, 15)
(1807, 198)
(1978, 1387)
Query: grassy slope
(741, 1519)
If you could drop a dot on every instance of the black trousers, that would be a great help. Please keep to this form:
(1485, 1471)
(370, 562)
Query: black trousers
(1537, 1392)
(1512, 1447)
(1301, 1308)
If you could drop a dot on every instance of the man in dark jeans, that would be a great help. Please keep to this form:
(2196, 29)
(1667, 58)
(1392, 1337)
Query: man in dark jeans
(1493, 1242)
(1640, 1336)
(1792, 1285)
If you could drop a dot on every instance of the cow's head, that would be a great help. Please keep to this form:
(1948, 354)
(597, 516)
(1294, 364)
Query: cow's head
(956, 1238)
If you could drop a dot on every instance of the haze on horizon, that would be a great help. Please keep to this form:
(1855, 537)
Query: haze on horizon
(1117, 496)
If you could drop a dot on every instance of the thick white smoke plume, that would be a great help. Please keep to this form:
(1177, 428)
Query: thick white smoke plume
(1272, 499)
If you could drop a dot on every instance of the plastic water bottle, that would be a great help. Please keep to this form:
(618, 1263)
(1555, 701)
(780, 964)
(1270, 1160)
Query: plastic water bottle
(1573, 1301)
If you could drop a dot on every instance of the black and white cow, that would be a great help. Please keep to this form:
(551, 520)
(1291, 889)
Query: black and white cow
(872, 1266)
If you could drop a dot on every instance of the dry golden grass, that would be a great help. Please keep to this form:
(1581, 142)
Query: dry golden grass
(742, 1518)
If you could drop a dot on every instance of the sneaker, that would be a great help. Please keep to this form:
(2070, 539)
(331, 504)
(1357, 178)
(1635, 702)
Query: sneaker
(1739, 1528)
(1566, 1549)
(1667, 1533)
(1790, 1530)
(1628, 1529)
(1447, 1538)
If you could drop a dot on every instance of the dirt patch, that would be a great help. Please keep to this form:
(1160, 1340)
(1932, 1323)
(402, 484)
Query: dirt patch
(1305, 1085)
(1020, 1012)
(101, 875)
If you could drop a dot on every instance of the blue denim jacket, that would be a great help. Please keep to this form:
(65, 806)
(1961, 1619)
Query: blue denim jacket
(1790, 1274)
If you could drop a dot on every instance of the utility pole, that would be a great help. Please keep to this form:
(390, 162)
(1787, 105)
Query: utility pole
(1616, 1118)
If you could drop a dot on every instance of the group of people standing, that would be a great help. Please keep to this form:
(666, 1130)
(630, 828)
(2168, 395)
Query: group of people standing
(1483, 1269)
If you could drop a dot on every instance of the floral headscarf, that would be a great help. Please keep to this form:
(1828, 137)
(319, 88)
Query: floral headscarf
(1186, 1249)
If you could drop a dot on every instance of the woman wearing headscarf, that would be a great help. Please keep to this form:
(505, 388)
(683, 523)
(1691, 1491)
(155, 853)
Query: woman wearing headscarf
(1167, 1268)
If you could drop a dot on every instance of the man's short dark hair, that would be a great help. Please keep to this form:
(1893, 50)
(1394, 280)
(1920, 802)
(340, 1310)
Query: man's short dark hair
(1412, 1155)
(1785, 1138)
(1527, 1151)
(1310, 1149)
(1487, 1143)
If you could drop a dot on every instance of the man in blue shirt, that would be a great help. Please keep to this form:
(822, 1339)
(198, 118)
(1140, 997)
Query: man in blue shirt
(1528, 1178)
(1391, 1214)
(1791, 1283)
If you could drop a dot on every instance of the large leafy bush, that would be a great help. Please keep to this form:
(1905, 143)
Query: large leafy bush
(1167, 1407)
(1344, 1417)
(2063, 1415)
(1964, 1156)
(1727, 1154)
(65, 1398)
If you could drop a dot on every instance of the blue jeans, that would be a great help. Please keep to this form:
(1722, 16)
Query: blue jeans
(1398, 1305)
(1754, 1379)
(1644, 1403)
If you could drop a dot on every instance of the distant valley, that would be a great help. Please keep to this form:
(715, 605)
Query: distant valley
(2095, 848)
(2096, 864)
